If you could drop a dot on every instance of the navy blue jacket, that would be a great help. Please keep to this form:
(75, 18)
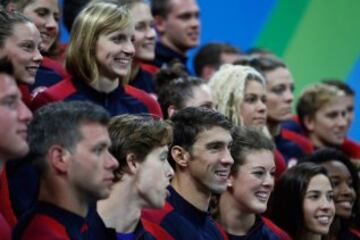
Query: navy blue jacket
(184, 221)
(263, 229)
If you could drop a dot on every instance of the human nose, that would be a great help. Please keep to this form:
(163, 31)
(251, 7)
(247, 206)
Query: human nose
(342, 120)
(327, 203)
(25, 114)
(261, 107)
(227, 158)
(111, 162)
(269, 180)
(346, 190)
(129, 48)
(169, 171)
(51, 23)
(151, 33)
(289, 96)
(37, 56)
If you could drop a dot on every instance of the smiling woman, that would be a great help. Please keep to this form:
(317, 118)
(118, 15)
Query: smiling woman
(250, 184)
(98, 59)
(303, 202)
(20, 42)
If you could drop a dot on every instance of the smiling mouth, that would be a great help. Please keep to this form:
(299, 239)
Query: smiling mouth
(324, 219)
(32, 70)
(262, 196)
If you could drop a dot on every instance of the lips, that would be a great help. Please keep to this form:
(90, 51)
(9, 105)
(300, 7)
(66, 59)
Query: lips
(222, 174)
(263, 196)
(123, 61)
(46, 37)
(32, 69)
(347, 204)
(22, 133)
(324, 219)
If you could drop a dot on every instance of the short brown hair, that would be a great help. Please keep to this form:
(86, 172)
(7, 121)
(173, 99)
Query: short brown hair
(315, 97)
(137, 134)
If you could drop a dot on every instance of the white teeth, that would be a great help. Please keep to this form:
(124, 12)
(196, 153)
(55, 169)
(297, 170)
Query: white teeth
(324, 220)
(222, 173)
(345, 204)
(262, 195)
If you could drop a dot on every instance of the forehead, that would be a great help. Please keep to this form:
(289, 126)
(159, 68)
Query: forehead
(182, 6)
(25, 31)
(229, 57)
(336, 168)
(279, 75)
(259, 158)
(213, 134)
(94, 132)
(254, 85)
(319, 182)
(337, 104)
(141, 12)
(128, 29)
(51, 4)
(8, 86)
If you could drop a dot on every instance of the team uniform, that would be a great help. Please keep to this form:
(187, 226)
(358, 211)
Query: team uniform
(349, 147)
(145, 230)
(292, 146)
(164, 55)
(48, 221)
(263, 229)
(120, 101)
(7, 216)
(144, 80)
(184, 221)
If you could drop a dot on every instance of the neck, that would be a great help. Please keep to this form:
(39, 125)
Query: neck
(232, 218)
(135, 68)
(165, 41)
(123, 201)
(105, 84)
(274, 127)
(57, 192)
(309, 236)
(186, 186)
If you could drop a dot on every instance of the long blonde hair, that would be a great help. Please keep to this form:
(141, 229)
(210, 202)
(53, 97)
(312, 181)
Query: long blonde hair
(228, 86)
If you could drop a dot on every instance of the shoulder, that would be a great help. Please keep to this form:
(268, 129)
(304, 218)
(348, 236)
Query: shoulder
(43, 227)
(275, 229)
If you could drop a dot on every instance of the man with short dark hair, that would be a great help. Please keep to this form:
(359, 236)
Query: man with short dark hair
(69, 145)
(201, 155)
(211, 56)
(14, 118)
(178, 25)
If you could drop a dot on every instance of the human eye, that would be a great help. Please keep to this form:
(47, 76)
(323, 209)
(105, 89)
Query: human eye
(215, 146)
(10, 102)
(141, 26)
(330, 196)
(98, 150)
(258, 173)
(313, 196)
(279, 89)
(332, 115)
(57, 17)
(292, 88)
(118, 38)
(28, 46)
(263, 99)
(42, 12)
(335, 182)
(185, 16)
(250, 98)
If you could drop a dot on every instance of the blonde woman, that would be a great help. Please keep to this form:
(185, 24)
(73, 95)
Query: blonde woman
(99, 57)
(240, 93)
